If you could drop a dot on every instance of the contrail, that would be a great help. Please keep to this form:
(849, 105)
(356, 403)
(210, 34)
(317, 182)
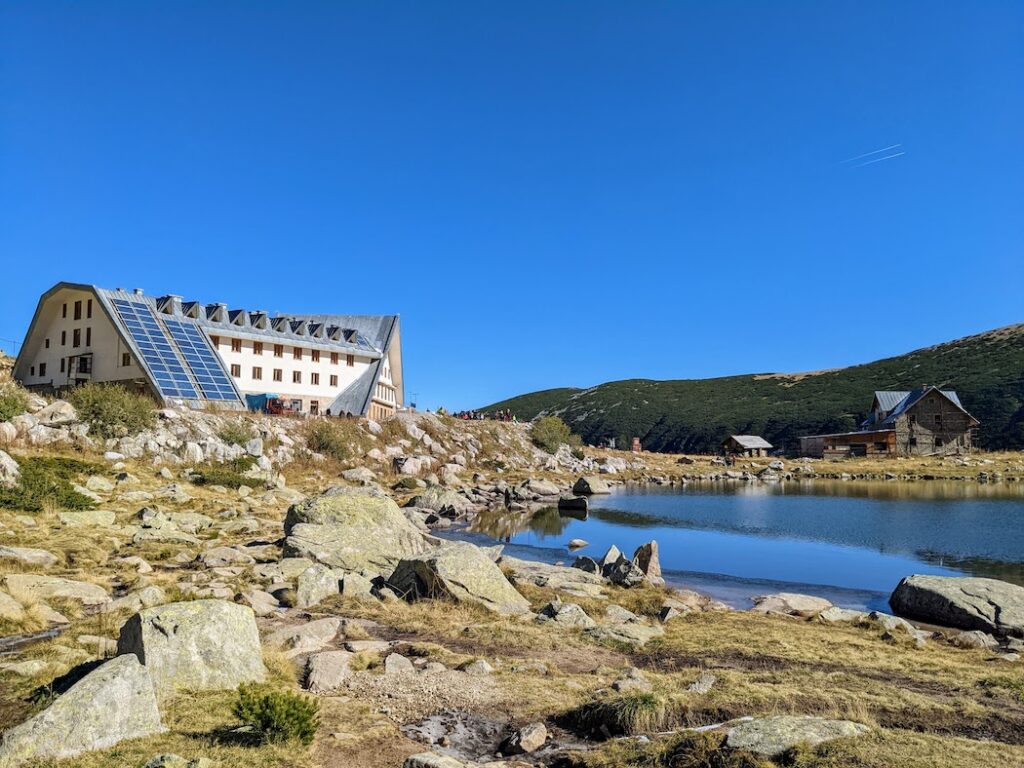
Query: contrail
(879, 159)
(873, 152)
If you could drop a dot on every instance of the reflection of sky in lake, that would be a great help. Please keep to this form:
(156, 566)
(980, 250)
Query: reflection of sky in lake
(730, 540)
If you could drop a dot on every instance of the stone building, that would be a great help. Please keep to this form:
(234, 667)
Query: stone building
(188, 352)
(922, 422)
(746, 445)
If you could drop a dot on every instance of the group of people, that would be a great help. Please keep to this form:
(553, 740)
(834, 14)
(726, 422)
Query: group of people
(503, 415)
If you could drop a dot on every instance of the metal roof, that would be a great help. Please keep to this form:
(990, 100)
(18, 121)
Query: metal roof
(751, 441)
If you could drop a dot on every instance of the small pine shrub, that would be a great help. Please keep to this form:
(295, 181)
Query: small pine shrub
(550, 432)
(278, 716)
(111, 410)
(12, 402)
(46, 481)
(236, 432)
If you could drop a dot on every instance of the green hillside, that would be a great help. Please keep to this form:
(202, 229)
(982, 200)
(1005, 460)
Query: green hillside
(695, 415)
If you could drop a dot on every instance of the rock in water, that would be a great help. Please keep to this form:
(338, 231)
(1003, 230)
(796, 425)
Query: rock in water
(771, 736)
(990, 605)
(203, 645)
(590, 485)
(114, 702)
(356, 529)
(646, 559)
(458, 571)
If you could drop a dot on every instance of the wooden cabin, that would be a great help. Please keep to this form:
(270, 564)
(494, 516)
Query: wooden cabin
(748, 446)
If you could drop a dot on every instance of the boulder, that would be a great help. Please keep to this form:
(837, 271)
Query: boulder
(354, 529)
(114, 702)
(30, 588)
(836, 615)
(316, 583)
(624, 573)
(578, 543)
(586, 564)
(590, 485)
(201, 645)
(9, 472)
(28, 556)
(360, 475)
(89, 517)
(397, 664)
(11, 609)
(790, 604)
(439, 499)
(458, 571)
(57, 414)
(527, 739)
(646, 559)
(565, 614)
(327, 670)
(771, 736)
(306, 637)
(543, 487)
(989, 605)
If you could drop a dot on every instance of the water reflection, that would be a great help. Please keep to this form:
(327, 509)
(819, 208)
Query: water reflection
(845, 535)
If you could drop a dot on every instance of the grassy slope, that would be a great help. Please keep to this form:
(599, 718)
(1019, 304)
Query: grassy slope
(695, 415)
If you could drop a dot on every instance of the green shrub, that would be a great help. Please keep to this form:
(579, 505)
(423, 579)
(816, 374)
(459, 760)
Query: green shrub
(236, 432)
(341, 439)
(278, 716)
(550, 432)
(625, 715)
(12, 402)
(230, 474)
(111, 410)
(46, 481)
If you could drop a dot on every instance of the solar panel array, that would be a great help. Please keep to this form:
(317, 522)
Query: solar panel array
(200, 357)
(156, 350)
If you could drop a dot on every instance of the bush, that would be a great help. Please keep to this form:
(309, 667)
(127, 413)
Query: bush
(550, 432)
(625, 715)
(46, 481)
(12, 402)
(278, 716)
(236, 432)
(111, 410)
(341, 439)
(230, 474)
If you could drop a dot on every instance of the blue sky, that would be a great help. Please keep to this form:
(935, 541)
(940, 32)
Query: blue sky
(549, 193)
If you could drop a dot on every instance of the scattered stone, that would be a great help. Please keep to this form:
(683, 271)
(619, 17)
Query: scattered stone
(790, 604)
(327, 670)
(262, 603)
(114, 702)
(28, 668)
(974, 639)
(29, 588)
(616, 614)
(478, 667)
(89, 517)
(836, 615)
(632, 681)
(565, 614)
(27, 556)
(624, 573)
(359, 475)
(525, 740)
(703, 683)
(989, 605)
(771, 736)
(201, 645)
(590, 485)
(397, 664)
(578, 543)
(303, 638)
(316, 583)
(218, 557)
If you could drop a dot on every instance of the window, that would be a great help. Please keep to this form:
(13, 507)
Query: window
(32, 370)
(257, 347)
(78, 310)
(296, 377)
(215, 340)
(257, 373)
(314, 378)
(63, 338)
(913, 442)
(938, 419)
(236, 370)
(76, 337)
(88, 337)
(314, 407)
(279, 350)
(315, 354)
(62, 365)
(297, 353)
(939, 442)
(47, 344)
(126, 359)
(334, 358)
(64, 311)
(334, 381)
(277, 374)
(350, 360)
(42, 369)
(236, 345)
(88, 310)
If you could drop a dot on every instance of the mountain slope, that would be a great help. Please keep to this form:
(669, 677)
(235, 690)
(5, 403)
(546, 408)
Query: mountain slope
(695, 415)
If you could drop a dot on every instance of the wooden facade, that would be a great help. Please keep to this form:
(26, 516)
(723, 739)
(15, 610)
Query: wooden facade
(749, 446)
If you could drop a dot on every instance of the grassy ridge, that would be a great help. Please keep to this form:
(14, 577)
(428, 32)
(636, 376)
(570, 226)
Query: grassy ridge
(695, 415)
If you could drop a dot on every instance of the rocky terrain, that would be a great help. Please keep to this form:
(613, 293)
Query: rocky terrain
(147, 580)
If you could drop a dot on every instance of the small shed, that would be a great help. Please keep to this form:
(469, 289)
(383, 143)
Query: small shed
(746, 445)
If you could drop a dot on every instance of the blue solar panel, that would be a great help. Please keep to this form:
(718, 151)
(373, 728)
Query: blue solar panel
(202, 360)
(171, 378)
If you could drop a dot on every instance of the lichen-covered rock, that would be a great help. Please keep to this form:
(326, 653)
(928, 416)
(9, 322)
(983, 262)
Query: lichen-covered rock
(200, 645)
(114, 702)
(89, 517)
(316, 583)
(590, 485)
(458, 571)
(771, 736)
(564, 614)
(437, 498)
(327, 670)
(355, 529)
(9, 471)
(989, 605)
